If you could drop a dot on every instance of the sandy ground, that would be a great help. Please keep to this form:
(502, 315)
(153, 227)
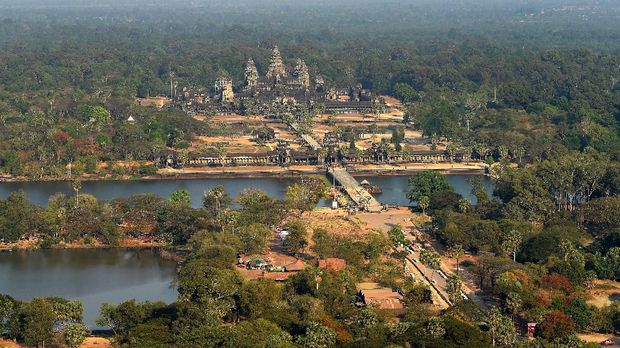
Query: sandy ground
(250, 171)
(90, 342)
(234, 144)
(604, 293)
(598, 338)
(420, 166)
(245, 171)
(8, 344)
(96, 342)
(336, 222)
(385, 220)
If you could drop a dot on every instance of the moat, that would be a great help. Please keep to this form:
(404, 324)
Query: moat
(92, 276)
(394, 187)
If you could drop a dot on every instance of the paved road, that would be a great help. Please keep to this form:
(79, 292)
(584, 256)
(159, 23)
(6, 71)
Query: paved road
(437, 278)
(418, 271)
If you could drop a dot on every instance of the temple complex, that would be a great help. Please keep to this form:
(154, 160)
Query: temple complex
(278, 87)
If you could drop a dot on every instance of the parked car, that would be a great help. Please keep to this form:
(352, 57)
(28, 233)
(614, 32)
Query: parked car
(608, 342)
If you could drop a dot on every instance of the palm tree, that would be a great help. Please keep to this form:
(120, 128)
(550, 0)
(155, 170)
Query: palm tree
(430, 259)
(512, 243)
(455, 287)
(464, 205)
(482, 151)
(423, 203)
(503, 152)
(451, 149)
(435, 327)
(77, 186)
(456, 252)
(220, 150)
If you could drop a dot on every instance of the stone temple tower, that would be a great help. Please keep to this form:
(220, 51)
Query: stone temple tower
(276, 67)
(251, 74)
(224, 88)
(302, 74)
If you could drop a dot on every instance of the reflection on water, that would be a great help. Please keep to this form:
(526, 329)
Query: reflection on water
(92, 276)
(394, 187)
(39, 192)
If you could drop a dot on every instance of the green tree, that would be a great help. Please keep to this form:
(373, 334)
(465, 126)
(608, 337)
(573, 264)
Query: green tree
(501, 328)
(423, 203)
(512, 242)
(123, 317)
(207, 294)
(254, 237)
(317, 336)
(404, 92)
(435, 328)
(297, 237)
(96, 116)
(397, 236)
(7, 310)
(441, 119)
(12, 163)
(181, 197)
(455, 287)
(77, 186)
(456, 252)
(74, 334)
(38, 322)
(305, 194)
(430, 259)
(425, 184)
(215, 200)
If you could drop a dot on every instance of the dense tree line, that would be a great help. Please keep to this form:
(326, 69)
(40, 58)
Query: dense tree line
(69, 75)
(84, 219)
(50, 321)
(540, 242)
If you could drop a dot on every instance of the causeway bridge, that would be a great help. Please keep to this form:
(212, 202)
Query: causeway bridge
(358, 194)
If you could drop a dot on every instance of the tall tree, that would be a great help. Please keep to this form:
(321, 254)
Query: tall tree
(502, 329)
(425, 184)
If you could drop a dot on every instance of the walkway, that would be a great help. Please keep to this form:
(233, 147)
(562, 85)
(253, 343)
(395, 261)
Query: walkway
(356, 192)
(306, 137)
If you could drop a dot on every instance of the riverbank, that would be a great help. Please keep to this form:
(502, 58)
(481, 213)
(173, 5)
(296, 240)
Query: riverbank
(472, 168)
(34, 244)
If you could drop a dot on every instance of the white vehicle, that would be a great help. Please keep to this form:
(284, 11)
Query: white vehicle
(443, 275)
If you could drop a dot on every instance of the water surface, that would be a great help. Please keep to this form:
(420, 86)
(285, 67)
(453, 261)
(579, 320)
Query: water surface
(394, 187)
(92, 276)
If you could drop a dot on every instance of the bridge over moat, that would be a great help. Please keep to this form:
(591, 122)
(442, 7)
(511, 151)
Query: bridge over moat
(358, 194)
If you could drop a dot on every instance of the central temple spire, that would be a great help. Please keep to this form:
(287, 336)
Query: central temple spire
(276, 67)
(251, 74)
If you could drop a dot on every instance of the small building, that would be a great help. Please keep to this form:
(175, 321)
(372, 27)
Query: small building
(296, 266)
(373, 294)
